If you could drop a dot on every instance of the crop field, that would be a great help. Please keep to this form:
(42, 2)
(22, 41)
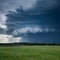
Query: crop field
(29, 52)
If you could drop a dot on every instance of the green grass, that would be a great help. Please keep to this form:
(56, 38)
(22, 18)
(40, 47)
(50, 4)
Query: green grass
(30, 53)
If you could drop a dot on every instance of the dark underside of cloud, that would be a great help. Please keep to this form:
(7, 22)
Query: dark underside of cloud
(41, 23)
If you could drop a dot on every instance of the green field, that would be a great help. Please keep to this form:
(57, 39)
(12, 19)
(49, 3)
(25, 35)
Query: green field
(30, 53)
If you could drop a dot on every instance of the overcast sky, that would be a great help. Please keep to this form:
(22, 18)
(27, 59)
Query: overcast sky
(43, 16)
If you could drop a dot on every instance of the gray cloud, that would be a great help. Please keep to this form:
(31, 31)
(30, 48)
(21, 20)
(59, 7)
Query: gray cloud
(42, 12)
(33, 29)
(47, 4)
(6, 5)
(11, 5)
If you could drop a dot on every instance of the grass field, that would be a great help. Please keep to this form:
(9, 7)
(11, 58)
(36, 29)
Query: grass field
(30, 53)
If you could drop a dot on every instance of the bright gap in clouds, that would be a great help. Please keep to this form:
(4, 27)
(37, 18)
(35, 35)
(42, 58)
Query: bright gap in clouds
(9, 39)
(2, 21)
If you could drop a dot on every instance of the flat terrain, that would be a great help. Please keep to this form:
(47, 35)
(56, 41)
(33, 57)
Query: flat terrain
(29, 52)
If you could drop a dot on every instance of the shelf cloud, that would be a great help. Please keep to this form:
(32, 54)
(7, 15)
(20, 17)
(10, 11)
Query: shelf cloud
(19, 17)
(35, 29)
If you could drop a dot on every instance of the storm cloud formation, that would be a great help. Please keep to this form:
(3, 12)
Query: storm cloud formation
(44, 12)
(6, 5)
(11, 5)
(39, 18)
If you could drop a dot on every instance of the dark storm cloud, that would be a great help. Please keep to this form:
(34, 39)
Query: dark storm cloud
(42, 8)
(47, 4)
(6, 5)
(44, 12)
(11, 5)
(36, 23)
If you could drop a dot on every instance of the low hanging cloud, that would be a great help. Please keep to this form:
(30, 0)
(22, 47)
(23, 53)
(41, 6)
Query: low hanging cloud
(43, 12)
(30, 18)
(35, 29)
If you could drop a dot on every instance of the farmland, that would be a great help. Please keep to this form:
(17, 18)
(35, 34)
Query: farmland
(30, 52)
